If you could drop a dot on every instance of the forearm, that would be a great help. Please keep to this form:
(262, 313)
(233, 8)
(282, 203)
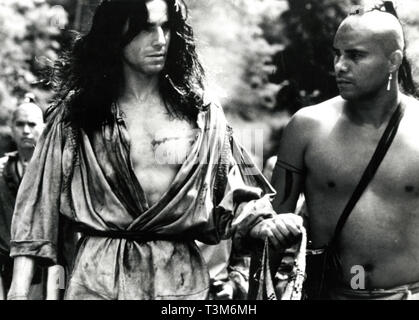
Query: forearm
(2, 289)
(23, 272)
(53, 282)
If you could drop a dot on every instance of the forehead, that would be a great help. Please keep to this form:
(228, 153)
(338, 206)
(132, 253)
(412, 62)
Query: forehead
(157, 11)
(353, 36)
(28, 114)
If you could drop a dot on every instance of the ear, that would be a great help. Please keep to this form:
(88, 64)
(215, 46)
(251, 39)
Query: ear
(395, 60)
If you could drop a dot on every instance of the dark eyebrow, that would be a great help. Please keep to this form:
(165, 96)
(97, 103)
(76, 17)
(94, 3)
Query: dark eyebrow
(149, 24)
(355, 51)
(336, 50)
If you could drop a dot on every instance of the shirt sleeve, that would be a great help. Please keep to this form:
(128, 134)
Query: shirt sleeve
(35, 222)
(246, 202)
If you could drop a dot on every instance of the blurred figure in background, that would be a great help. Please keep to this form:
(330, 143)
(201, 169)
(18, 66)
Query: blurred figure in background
(27, 124)
(229, 272)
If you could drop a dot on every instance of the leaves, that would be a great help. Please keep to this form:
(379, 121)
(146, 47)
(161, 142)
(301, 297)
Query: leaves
(237, 57)
(29, 33)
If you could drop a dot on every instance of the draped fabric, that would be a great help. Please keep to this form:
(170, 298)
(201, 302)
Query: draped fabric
(89, 179)
(283, 278)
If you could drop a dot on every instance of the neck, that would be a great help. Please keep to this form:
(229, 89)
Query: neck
(139, 86)
(25, 154)
(374, 110)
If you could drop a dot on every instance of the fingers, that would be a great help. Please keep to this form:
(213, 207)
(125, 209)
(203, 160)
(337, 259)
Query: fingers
(282, 230)
(225, 294)
(225, 290)
(279, 234)
(293, 223)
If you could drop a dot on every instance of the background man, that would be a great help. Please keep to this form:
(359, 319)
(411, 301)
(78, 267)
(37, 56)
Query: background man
(27, 124)
(326, 148)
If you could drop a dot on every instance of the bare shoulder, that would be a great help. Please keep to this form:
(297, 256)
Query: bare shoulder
(411, 107)
(312, 118)
(303, 128)
(409, 127)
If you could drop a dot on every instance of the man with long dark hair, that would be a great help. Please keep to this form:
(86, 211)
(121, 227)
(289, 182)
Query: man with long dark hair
(137, 158)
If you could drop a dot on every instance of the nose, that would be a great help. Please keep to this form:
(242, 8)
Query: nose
(26, 129)
(340, 64)
(159, 37)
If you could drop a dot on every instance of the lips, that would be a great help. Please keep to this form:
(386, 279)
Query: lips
(342, 81)
(156, 55)
(26, 141)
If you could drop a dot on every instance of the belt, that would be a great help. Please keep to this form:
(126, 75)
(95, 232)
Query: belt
(129, 235)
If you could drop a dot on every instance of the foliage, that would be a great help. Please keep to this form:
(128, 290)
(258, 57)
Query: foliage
(29, 34)
(305, 65)
(29, 37)
(238, 59)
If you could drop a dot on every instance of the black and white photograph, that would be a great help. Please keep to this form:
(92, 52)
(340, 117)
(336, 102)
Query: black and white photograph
(225, 152)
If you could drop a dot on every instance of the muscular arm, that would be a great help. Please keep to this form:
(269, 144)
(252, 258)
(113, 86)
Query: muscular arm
(288, 174)
(23, 271)
(288, 180)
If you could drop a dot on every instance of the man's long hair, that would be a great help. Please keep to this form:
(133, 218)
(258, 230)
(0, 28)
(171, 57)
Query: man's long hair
(91, 74)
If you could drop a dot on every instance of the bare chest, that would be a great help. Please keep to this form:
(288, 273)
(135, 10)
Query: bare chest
(337, 160)
(389, 205)
(159, 145)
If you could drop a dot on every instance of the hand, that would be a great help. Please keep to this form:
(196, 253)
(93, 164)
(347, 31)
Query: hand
(281, 230)
(224, 290)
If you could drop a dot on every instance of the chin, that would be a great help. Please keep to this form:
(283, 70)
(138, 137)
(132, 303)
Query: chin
(154, 70)
(349, 95)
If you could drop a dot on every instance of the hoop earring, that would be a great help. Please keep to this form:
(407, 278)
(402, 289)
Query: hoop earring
(390, 77)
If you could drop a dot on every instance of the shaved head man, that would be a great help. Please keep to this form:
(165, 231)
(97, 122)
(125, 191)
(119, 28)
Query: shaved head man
(383, 27)
(26, 124)
(375, 41)
(326, 149)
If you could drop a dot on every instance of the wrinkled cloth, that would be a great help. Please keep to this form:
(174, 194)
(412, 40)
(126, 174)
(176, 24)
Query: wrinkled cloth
(405, 292)
(88, 178)
(9, 184)
(224, 266)
(281, 275)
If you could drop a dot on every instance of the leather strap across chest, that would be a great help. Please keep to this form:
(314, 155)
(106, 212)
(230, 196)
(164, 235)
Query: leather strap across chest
(372, 167)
